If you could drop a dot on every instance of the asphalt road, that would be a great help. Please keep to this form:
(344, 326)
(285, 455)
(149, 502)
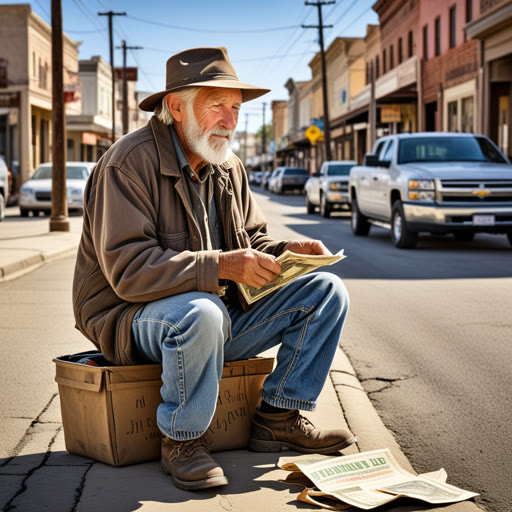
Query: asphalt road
(429, 333)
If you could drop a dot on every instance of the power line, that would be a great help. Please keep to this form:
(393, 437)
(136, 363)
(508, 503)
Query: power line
(43, 8)
(211, 31)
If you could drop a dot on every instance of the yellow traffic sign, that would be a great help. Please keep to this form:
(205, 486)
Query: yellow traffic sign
(313, 133)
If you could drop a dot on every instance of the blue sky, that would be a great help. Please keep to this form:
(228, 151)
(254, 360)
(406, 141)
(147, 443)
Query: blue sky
(264, 38)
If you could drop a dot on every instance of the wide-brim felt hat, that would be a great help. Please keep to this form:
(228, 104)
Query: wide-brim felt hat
(205, 67)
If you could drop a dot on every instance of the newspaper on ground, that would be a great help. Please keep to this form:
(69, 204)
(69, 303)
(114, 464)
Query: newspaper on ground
(369, 479)
(292, 266)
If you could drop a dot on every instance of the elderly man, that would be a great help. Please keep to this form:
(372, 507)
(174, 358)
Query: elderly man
(169, 226)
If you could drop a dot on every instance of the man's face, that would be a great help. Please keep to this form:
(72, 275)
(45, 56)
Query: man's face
(210, 123)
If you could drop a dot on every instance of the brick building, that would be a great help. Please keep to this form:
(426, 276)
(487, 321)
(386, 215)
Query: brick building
(450, 66)
(493, 31)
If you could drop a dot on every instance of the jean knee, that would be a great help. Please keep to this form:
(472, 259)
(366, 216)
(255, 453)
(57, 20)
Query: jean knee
(335, 293)
(207, 315)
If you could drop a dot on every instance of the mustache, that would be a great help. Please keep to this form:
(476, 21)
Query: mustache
(223, 133)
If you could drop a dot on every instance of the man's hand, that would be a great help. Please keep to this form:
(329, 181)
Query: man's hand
(248, 266)
(307, 247)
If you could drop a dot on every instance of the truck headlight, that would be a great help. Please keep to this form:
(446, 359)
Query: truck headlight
(337, 186)
(422, 190)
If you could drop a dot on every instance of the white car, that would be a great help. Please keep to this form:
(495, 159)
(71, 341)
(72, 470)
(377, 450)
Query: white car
(4, 187)
(36, 193)
(328, 188)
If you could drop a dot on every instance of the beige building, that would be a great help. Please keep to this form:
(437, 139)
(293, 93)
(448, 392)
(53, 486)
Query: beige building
(88, 132)
(279, 126)
(26, 87)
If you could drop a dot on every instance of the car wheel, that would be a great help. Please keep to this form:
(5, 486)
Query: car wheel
(310, 207)
(24, 213)
(402, 237)
(325, 209)
(35, 213)
(2, 207)
(359, 223)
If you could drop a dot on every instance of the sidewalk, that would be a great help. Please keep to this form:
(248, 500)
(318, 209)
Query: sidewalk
(42, 464)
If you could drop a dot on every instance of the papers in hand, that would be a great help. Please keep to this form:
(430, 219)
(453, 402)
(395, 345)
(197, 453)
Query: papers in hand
(293, 265)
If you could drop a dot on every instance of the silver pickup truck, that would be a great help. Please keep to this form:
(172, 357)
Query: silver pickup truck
(456, 183)
(328, 188)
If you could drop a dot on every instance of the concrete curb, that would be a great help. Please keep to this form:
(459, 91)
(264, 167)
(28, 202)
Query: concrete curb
(17, 262)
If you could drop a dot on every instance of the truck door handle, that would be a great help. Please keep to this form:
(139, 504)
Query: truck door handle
(375, 178)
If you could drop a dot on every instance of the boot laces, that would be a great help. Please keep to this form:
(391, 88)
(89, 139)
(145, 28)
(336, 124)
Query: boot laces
(302, 423)
(188, 447)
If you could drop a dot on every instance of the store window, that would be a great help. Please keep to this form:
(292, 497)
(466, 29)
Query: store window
(468, 109)
(400, 51)
(391, 57)
(384, 61)
(410, 44)
(452, 116)
(469, 10)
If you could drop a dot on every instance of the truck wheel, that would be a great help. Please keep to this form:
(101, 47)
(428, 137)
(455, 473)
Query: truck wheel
(310, 207)
(359, 223)
(403, 238)
(325, 208)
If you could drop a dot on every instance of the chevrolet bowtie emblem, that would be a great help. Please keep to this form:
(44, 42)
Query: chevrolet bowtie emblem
(481, 192)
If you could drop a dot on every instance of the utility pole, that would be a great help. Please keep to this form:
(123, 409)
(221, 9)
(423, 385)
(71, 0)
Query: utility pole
(245, 138)
(110, 14)
(320, 27)
(125, 83)
(59, 217)
(373, 111)
(264, 142)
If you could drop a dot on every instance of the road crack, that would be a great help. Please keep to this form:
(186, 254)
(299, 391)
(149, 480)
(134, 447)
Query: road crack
(379, 384)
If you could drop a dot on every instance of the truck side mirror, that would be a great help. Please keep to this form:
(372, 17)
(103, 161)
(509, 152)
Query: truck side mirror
(371, 160)
(316, 174)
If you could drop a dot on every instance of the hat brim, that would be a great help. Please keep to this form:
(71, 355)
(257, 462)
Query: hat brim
(249, 92)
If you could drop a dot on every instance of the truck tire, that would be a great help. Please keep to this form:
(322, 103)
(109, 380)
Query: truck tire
(325, 208)
(402, 237)
(310, 207)
(359, 223)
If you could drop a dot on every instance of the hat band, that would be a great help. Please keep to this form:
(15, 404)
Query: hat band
(201, 78)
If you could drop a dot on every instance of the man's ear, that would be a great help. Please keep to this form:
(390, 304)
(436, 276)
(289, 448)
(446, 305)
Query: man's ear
(176, 107)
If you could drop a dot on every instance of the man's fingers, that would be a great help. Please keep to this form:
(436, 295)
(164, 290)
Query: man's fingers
(269, 263)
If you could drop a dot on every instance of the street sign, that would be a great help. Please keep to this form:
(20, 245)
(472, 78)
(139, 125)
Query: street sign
(313, 133)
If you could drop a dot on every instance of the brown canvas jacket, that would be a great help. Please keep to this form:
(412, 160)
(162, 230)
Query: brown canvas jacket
(140, 241)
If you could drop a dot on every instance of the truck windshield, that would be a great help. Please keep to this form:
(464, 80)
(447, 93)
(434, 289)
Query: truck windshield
(339, 169)
(295, 171)
(448, 149)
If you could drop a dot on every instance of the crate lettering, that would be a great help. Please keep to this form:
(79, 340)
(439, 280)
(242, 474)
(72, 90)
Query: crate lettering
(229, 418)
(140, 403)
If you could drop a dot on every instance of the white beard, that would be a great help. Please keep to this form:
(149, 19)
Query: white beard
(215, 151)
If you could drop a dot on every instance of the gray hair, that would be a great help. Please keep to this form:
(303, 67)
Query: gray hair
(186, 95)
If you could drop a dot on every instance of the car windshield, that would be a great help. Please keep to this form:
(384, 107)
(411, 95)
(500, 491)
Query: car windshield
(74, 172)
(339, 169)
(295, 171)
(448, 149)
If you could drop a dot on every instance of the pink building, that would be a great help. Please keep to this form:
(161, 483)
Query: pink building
(450, 80)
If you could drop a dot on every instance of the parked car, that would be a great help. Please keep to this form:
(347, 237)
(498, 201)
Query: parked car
(255, 178)
(5, 185)
(456, 183)
(288, 178)
(328, 188)
(265, 179)
(36, 193)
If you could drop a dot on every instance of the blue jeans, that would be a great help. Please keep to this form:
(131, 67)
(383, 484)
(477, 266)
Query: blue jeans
(192, 334)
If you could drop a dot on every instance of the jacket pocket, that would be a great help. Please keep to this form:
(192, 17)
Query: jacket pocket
(176, 241)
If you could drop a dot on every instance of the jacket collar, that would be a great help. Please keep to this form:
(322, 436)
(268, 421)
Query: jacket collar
(167, 154)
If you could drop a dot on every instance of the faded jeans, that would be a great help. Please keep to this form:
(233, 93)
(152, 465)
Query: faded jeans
(192, 334)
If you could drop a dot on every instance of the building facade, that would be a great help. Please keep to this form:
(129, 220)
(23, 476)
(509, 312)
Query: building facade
(492, 29)
(26, 88)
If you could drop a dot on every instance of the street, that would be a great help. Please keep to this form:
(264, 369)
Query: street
(429, 335)
(426, 334)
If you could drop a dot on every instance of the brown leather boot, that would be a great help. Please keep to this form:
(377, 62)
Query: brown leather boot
(190, 464)
(272, 432)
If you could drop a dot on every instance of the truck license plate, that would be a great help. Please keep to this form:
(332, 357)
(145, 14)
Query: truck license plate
(483, 220)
